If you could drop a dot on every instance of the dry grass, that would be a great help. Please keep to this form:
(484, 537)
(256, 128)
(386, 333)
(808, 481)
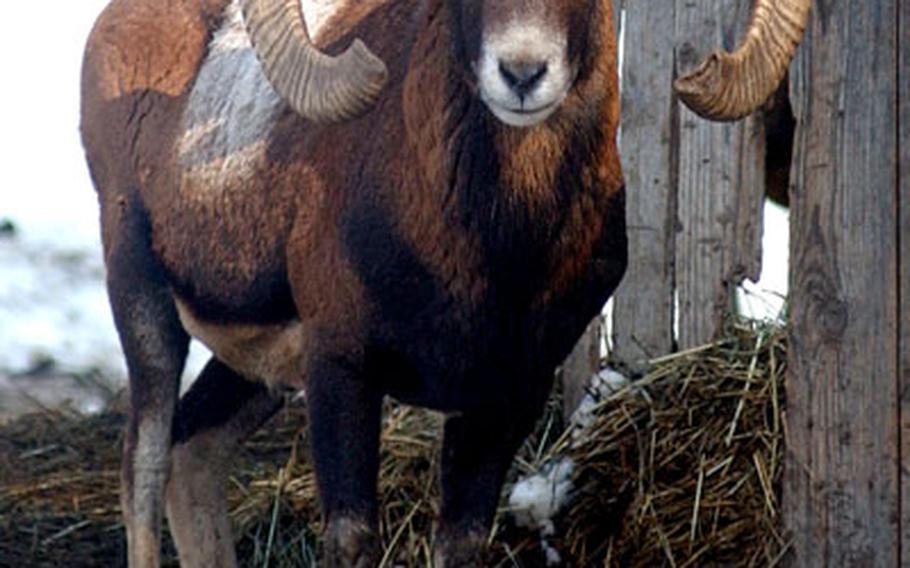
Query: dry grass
(683, 468)
(686, 475)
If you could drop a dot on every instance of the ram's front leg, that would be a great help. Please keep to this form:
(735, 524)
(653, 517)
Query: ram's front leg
(345, 409)
(478, 448)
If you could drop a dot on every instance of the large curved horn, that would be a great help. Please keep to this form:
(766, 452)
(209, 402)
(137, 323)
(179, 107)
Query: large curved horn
(319, 87)
(729, 86)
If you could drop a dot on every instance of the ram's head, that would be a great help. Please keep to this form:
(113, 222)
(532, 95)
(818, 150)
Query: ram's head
(523, 53)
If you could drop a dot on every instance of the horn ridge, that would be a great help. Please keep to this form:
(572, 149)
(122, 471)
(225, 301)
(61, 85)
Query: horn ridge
(729, 86)
(319, 87)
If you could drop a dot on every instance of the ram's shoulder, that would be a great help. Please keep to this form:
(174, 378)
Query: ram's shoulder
(149, 45)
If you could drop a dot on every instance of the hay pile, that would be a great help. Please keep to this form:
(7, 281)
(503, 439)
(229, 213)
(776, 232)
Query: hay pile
(682, 468)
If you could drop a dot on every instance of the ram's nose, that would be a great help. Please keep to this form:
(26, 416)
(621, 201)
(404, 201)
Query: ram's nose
(522, 76)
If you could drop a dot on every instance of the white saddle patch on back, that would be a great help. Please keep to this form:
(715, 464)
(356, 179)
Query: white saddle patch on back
(233, 36)
(318, 12)
(231, 110)
(232, 106)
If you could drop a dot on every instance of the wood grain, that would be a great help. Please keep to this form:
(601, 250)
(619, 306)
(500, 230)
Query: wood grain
(841, 495)
(643, 316)
(903, 197)
(721, 185)
(579, 366)
(695, 189)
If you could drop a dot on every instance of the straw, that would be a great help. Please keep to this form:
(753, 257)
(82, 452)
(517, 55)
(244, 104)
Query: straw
(682, 468)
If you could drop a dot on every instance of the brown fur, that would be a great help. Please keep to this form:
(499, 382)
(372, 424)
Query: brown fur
(130, 55)
(245, 228)
(268, 245)
(424, 129)
(530, 169)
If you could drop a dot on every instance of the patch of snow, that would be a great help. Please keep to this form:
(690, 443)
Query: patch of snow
(765, 299)
(535, 500)
(55, 312)
(600, 387)
(552, 555)
(54, 309)
(85, 394)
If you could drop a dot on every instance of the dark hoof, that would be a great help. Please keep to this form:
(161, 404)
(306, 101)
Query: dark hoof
(464, 551)
(350, 543)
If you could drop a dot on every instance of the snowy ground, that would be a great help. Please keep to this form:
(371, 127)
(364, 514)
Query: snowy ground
(52, 306)
(57, 336)
(55, 324)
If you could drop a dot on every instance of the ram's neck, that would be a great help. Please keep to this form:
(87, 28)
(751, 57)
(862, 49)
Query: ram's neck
(484, 203)
(460, 149)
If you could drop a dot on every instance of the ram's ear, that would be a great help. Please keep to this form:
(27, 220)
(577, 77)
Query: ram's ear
(729, 86)
(319, 87)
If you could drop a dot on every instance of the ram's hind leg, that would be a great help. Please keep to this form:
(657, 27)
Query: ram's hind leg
(155, 346)
(220, 410)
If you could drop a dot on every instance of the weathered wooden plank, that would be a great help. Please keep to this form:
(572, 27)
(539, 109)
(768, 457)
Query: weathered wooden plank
(841, 496)
(745, 259)
(579, 366)
(903, 197)
(721, 184)
(643, 314)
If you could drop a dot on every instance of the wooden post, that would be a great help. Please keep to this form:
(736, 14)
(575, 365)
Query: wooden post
(643, 314)
(721, 184)
(579, 366)
(841, 489)
(695, 189)
(903, 197)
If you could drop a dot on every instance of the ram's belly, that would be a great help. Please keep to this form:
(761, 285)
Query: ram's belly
(269, 353)
(221, 225)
